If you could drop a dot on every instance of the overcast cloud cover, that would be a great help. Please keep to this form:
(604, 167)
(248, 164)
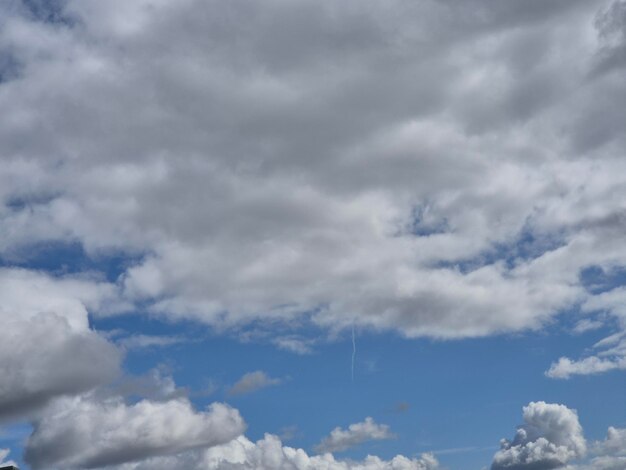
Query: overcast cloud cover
(434, 169)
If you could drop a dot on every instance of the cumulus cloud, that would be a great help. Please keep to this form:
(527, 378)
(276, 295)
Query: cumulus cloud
(47, 348)
(357, 433)
(253, 381)
(82, 432)
(550, 437)
(270, 454)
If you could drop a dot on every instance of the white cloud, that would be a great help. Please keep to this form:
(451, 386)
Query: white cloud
(357, 433)
(586, 324)
(3, 455)
(564, 368)
(607, 354)
(141, 341)
(269, 454)
(294, 344)
(253, 381)
(82, 432)
(550, 437)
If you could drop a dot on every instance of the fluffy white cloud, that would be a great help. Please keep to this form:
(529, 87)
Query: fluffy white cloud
(357, 433)
(253, 381)
(82, 432)
(550, 437)
(269, 454)
(46, 346)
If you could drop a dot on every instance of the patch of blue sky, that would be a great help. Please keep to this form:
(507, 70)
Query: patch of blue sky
(526, 246)
(62, 258)
(424, 224)
(10, 66)
(13, 436)
(464, 394)
(48, 11)
(597, 279)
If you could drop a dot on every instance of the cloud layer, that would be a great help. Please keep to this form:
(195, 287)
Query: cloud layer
(253, 179)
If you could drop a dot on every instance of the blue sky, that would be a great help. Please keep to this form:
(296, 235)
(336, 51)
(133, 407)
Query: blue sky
(312, 235)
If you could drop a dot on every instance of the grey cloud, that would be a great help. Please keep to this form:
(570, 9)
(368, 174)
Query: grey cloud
(611, 25)
(253, 381)
(43, 358)
(341, 439)
(46, 347)
(85, 433)
(610, 454)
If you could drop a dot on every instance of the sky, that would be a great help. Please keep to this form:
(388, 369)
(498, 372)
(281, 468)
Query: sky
(313, 234)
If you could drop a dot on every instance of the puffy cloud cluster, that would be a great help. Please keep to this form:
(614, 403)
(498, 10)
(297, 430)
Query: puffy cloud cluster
(550, 437)
(270, 454)
(357, 433)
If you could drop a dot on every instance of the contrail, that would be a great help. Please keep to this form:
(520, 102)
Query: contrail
(353, 351)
